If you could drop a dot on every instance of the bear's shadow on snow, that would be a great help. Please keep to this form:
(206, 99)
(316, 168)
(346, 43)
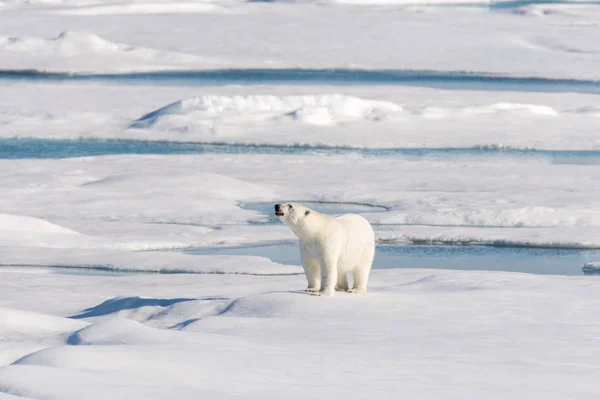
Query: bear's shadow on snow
(127, 303)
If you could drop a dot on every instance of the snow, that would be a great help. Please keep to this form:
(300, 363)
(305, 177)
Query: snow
(103, 295)
(17, 223)
(421, 330)
(117, 205)
(142, 8)
(309, 115)
(75, 51)
(297, 35)
(224, 34)
(316, 110)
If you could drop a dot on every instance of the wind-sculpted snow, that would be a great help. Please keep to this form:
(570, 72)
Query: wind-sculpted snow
(118, 331)
(212, 112)
(23, 332)
(22, 229)
(17, 323)
(423, 330)
(21, 223)
(205, 111)
(74, 51)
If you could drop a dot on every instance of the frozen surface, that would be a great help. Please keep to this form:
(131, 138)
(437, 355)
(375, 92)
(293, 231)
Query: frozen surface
(355, 116)
(84, 52)
(113, 209)
(224, 336)
(553, 41)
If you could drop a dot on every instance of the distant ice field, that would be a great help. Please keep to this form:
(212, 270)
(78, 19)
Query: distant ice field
(530, 39)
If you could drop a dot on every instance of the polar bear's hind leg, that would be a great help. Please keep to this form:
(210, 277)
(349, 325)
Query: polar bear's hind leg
(361, 273)
(342, 282)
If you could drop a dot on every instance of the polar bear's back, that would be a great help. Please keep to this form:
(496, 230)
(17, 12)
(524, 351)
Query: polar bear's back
(357, 228)
(359, 246)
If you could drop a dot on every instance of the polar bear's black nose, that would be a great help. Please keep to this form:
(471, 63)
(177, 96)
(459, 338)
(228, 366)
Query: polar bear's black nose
(278, 210)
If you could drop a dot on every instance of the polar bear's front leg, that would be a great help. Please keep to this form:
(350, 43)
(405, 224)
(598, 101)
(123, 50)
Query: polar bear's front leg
(312, 270)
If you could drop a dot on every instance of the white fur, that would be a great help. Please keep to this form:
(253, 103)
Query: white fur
(331, 247)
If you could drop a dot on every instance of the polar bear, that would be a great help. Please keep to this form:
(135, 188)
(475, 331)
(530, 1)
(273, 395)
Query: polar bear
(330, 247)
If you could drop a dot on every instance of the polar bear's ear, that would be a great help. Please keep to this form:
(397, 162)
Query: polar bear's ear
(306, 213)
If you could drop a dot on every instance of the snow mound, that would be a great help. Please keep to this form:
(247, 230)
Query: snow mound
(294, 305)
(19, 323)
(159, 313)
(84, 52)
(67, 43)
(119, 331)
(311, 109)
(271, 305)
(21, 223)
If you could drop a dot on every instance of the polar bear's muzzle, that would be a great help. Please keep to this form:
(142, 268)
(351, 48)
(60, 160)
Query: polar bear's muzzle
(278, 210)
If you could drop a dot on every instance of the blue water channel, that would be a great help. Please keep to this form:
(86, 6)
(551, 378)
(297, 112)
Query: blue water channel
(17, 148)
(435, 79)
(485, 258)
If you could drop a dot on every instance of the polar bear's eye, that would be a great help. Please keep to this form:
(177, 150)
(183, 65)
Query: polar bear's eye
(306, 213)
(291, 207)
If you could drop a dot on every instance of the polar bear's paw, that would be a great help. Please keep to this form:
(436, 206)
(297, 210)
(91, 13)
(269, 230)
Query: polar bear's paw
(357, 290)
(312, 290)
(325, 293)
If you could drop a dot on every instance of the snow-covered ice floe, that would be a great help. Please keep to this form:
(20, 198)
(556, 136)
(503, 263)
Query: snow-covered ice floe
(536, 40)
(74, 51)
(415, 333)
(334, 116)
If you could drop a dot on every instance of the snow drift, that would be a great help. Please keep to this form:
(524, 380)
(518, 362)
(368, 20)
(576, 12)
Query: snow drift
(20, 223)
(311, 109)
(86, 52)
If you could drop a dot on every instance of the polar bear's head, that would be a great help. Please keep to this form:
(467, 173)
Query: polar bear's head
(291, 214)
